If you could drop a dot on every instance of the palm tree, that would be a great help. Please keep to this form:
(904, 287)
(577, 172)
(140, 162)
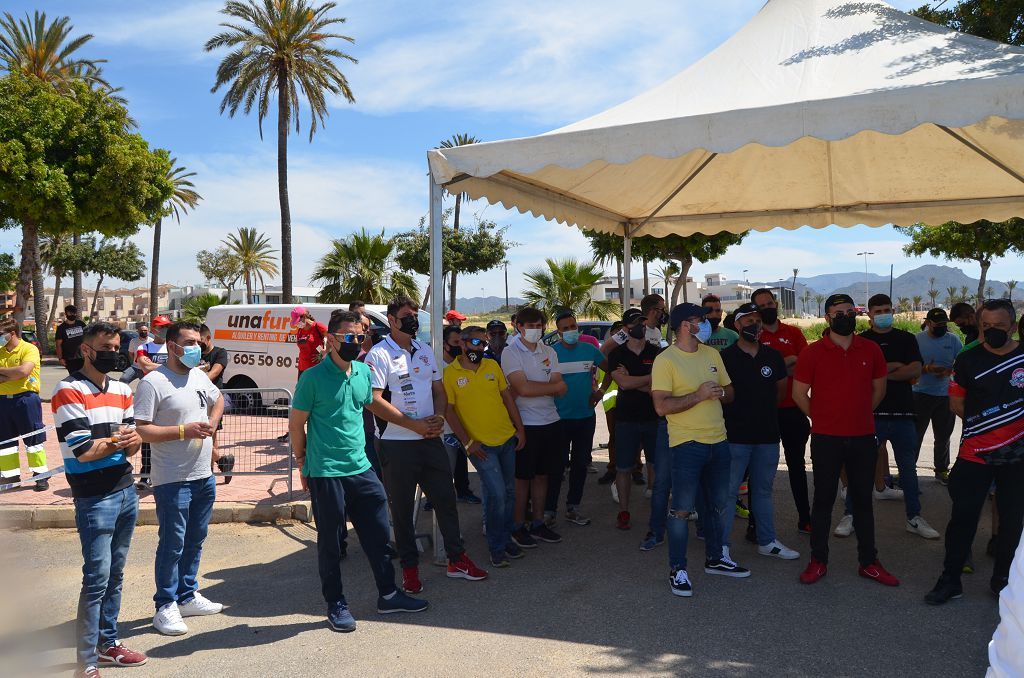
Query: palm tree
(951, 296)
(819, 299)
(195, 309)
(933, 294)
(989, 292)
(1011, 285)
(903, 305)
(667, 274)
(281, 48)
(806, 298)
(32, 47)
(362, 266)
(181, 201)
(565, 285)
(255, 257)
(965, 293)
(455, 141)
(917, 302)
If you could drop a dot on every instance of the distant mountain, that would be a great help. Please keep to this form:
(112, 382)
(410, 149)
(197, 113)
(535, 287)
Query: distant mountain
(916, 282)
(480, 305)
(834, 281)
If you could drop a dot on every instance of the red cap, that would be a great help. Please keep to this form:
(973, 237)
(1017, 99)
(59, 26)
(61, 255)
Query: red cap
(454, 315)
(161, 321)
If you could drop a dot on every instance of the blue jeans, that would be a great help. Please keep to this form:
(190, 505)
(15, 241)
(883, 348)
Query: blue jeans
(763, 460)
(902, 433)
(708, 467)
(105, 527)
(183, 511)
(498, 482)
(662, 481)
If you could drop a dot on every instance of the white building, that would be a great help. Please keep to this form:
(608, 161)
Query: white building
(733, 294)
(607, 288)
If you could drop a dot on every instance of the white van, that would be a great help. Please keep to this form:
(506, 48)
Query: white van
(261, 342)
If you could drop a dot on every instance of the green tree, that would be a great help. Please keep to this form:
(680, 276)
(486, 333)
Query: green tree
(685, 250)
(1001, 20)
(980, 242)
(1011, 285)
(255, 257)
(917, 299)
(363, 266)
(59, 255)
(120, 260)
(805, 298)
(607, 249)
(69, 163)
(965, 293)
(455, 141)
(667, 274)
(220, 266)
(933, 294)
(8, 271)
(565, 285)
(195, 309)
(903, 305)
(181, 201)
(281, 48)
(952, 297)
(47, 51)
(819, 299)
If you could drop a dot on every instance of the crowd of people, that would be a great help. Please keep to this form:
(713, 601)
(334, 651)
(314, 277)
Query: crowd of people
(374, 417)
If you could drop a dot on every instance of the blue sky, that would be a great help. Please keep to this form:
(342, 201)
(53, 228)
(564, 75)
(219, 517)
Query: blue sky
(426, 70)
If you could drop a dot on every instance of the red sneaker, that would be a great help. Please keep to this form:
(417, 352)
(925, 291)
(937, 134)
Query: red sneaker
(464, 568)
(815, 571)
(119, 655)
(878, 573)
(411, 580)
(622, 521)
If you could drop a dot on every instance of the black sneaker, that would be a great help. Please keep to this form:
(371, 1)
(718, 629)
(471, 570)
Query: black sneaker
(607, 478)
(144, 485)
(997, 584)
(751, 535)
(339, 618)
(226, 464)
(468, 498)
(990, 548)
(523, 539)
(41, 485)
(944, 591)
(400, 602)
(680, 582)
(725, 567)
(513, 550)
(545, 533)
(500, 559)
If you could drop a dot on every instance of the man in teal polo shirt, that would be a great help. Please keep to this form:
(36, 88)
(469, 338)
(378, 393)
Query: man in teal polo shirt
(326, 430)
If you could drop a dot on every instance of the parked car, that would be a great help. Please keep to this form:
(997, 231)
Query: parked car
(30, 337)
(595, 328)
(124, 359)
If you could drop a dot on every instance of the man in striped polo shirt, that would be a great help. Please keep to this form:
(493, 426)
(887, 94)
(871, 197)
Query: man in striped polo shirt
(96, 430)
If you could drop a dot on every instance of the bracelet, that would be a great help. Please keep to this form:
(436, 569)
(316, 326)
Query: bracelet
(181, 431)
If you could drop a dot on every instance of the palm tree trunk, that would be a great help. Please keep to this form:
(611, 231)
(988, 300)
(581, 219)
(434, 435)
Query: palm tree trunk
(76, 294)
(154, 273)
(618, 276)
(23, 290)
(248, 288)
(684, 269)
(95, 297)
(426, 295)
(57, 275)
(39, 300)
(647, 280)
(283, 118)
(985, 263)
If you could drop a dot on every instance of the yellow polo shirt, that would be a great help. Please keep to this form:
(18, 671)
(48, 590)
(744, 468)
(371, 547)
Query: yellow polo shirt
(476, 397)
(681, 373)
(14, 357)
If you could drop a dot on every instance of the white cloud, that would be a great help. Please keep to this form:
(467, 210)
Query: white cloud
(179, 28)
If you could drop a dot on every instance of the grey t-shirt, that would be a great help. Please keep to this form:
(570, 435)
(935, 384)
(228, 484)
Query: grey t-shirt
(167, 398)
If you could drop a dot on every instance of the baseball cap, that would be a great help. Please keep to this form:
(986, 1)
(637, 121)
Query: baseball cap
(631, 315)
(454, 315)
(837, 299)
(497, 325)
(746, 309)
(937, 315)
(687, 310)
(297, 313)
(161, 321)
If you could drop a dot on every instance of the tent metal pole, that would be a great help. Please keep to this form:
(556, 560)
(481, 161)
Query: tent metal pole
(982, 152)
(627, 257)
(436, 281)
(673, 194)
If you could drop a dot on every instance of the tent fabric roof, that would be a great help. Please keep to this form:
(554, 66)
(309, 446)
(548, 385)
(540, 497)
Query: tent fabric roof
(817, 112)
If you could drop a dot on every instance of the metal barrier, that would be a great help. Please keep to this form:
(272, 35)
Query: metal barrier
(255, 429)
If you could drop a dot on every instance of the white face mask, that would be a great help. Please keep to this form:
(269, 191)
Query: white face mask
(533, 334)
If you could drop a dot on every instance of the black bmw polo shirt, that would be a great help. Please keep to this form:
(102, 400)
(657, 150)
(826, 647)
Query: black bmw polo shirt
(752, 417)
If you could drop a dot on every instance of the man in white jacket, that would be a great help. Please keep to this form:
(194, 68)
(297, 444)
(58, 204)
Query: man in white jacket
(1006, 649)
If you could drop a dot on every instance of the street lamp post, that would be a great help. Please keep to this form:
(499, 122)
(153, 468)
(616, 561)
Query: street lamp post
(866, 294)
(746, 281)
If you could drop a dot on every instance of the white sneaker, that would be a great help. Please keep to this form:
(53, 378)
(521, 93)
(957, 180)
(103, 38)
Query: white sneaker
(615, 493)
(725, 553)
(648, 493)
(888, 494)
(917, 525)
(845, 526)
(167, 621)
(199, 606)
(777, 549)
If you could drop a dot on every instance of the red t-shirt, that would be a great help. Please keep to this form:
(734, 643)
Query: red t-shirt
(788, 340)
(841, 385)
(309, 339)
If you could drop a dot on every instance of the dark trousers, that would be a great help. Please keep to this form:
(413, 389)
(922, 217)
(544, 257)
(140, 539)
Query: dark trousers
(969, 483)
(360, 498)
(576, 454)
(935, 410)
(147, 455)
(406, 464)
(637, 464)
(829, 454)
(794, 430)
(461, 474)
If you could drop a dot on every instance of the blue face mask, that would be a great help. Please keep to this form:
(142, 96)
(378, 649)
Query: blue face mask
(883, 321)
(191, 357)
(703, 331)
(3, 340)
(571, 337)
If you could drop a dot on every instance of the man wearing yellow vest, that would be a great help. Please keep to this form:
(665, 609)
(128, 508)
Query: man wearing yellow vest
(21, 411)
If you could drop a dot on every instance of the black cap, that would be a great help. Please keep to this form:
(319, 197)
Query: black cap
(837, 299)
(497, 325)
(937, 315)
(687, 310)
(632, 315)
(745, 309)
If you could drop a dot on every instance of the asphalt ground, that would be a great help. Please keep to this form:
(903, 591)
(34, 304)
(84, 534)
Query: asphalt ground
(593, 604)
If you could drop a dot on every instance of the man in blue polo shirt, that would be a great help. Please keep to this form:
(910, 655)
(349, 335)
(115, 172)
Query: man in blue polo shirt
(326, 430)
(576, 362)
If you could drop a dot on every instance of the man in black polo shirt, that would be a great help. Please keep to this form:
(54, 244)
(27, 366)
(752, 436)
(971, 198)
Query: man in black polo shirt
(758, 376)
(68, 339)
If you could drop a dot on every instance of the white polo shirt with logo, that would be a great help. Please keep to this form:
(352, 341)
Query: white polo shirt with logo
(409, 376)
(536, 365)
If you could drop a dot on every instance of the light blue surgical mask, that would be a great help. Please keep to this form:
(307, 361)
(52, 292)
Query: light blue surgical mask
(4, 339)
(571, 337)
(883, 321)
(703, 331)
(192, 356)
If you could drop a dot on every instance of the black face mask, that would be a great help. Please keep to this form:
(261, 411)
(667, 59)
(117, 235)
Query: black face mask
(715, 322)
(104, 361)
(639, 331)
(143, 335)
(843, 325)
(71, 317)
(454, 351)
(769, 315)
(662, 318)
(410, 325)
(475, 356)
(751, 332)
(996, 338)
(939, 331)
(349, 352)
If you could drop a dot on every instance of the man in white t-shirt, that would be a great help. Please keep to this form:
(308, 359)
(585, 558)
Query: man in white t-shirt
(407, 396)
(653, 308)
(177, 409)
(532, 370)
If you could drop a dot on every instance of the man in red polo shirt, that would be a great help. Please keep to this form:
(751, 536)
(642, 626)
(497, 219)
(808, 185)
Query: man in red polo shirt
(793, 426)
(839, 381)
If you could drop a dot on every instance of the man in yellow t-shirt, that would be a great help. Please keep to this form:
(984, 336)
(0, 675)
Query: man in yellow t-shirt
(688, 385)
(21, 411)
(483, 415)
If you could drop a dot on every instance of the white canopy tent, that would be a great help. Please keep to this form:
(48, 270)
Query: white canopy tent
(817, 112)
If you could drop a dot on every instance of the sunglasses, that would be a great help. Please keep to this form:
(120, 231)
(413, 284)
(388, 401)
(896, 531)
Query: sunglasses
(848, 314)
(476, 342)
(350, 338)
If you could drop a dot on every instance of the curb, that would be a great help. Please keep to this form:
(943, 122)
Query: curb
(38, 517)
